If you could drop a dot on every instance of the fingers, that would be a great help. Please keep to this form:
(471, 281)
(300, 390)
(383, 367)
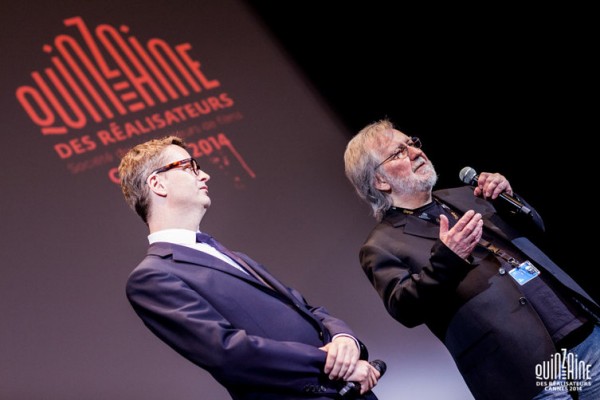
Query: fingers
(444, 225)
(372, 379)
(340, 365)
(342, 356)
(329, 361)
(464, 235)
(467, 222)
(364, 374)
(491, 185)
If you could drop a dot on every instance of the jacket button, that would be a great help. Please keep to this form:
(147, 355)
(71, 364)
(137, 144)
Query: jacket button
(309, 388)
(501, 271)
(522, 301)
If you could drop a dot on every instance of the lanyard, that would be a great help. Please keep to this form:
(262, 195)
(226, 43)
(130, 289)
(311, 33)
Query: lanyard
(482, 242)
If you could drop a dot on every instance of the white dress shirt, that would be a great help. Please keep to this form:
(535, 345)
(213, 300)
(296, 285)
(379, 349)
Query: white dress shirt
(187, 238)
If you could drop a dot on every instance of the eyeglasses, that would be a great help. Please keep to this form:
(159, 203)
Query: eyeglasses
(402, 150)
(186, 164)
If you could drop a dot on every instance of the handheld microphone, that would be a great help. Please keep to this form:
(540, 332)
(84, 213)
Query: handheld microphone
(352, 388)
(469, 176)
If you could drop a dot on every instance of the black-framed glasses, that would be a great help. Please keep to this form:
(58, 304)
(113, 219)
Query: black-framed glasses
(402, 150)
(185, 164)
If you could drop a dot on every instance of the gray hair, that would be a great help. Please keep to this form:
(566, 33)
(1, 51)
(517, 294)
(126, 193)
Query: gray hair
(361, 158)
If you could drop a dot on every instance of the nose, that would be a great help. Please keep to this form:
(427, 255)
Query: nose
(414, 152)
(203, 176)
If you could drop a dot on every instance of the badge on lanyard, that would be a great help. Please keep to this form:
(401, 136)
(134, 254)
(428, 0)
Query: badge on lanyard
(524, 272)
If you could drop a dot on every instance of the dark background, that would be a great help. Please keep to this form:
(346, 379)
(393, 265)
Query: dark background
(501, 90)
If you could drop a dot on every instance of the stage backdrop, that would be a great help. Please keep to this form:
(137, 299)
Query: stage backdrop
(82, 82)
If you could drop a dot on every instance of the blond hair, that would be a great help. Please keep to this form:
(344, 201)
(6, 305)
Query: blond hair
(137, 165)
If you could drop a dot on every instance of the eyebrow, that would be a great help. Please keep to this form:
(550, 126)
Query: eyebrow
(403, 144)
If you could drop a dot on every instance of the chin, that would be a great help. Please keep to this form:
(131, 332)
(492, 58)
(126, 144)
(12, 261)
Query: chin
(428, 177)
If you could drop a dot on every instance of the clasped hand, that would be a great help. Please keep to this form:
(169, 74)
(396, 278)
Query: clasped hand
(343, 363)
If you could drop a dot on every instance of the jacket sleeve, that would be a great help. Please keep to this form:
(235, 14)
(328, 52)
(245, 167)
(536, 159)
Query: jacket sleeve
(333, 325)
(530, 224)
(413, 289)
(189, 323)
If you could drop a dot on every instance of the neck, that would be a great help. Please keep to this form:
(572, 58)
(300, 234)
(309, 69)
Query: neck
(159, 222)
(416, 200)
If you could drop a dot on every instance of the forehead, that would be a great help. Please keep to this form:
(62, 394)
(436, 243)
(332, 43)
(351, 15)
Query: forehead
(390, 139)
(174, 153)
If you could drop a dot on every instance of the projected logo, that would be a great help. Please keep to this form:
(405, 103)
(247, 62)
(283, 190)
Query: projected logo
(105, 87)
(563, 372)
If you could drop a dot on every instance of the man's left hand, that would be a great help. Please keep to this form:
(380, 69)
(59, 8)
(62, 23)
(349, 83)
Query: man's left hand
(342, 356)
(490, 185)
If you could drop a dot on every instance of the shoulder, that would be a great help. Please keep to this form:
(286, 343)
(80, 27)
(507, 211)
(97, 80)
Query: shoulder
(157, 262)
(387, 238)
(463, 199)
(460, 192)
(384, 229)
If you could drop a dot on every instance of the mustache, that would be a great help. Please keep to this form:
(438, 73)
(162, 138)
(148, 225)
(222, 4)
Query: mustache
(419, 161)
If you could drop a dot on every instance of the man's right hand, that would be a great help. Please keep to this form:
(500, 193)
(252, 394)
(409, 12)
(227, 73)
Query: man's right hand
(364, 374)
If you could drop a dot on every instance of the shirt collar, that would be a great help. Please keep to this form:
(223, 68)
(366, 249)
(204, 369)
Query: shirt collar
(177, 236)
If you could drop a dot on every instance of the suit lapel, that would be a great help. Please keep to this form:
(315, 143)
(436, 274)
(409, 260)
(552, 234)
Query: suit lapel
(418, 227)
(413, 225)
(463, 200)
(184, 254)
(283, 292)
(270, 279)
(188, 255)
(191, 256)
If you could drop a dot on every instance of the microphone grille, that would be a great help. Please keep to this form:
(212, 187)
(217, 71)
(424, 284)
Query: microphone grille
(380, 366)
(467, 174)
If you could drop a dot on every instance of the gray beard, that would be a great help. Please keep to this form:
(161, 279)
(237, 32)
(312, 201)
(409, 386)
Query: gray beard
(411, 184)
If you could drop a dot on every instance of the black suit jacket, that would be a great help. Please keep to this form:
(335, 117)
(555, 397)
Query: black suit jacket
(476, 309)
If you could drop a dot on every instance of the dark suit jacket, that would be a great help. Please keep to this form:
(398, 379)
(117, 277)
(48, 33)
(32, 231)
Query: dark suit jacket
(257, 342)
(475, 309)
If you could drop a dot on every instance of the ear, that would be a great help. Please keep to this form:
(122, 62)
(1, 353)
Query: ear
(155, 184)
(381, 184)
